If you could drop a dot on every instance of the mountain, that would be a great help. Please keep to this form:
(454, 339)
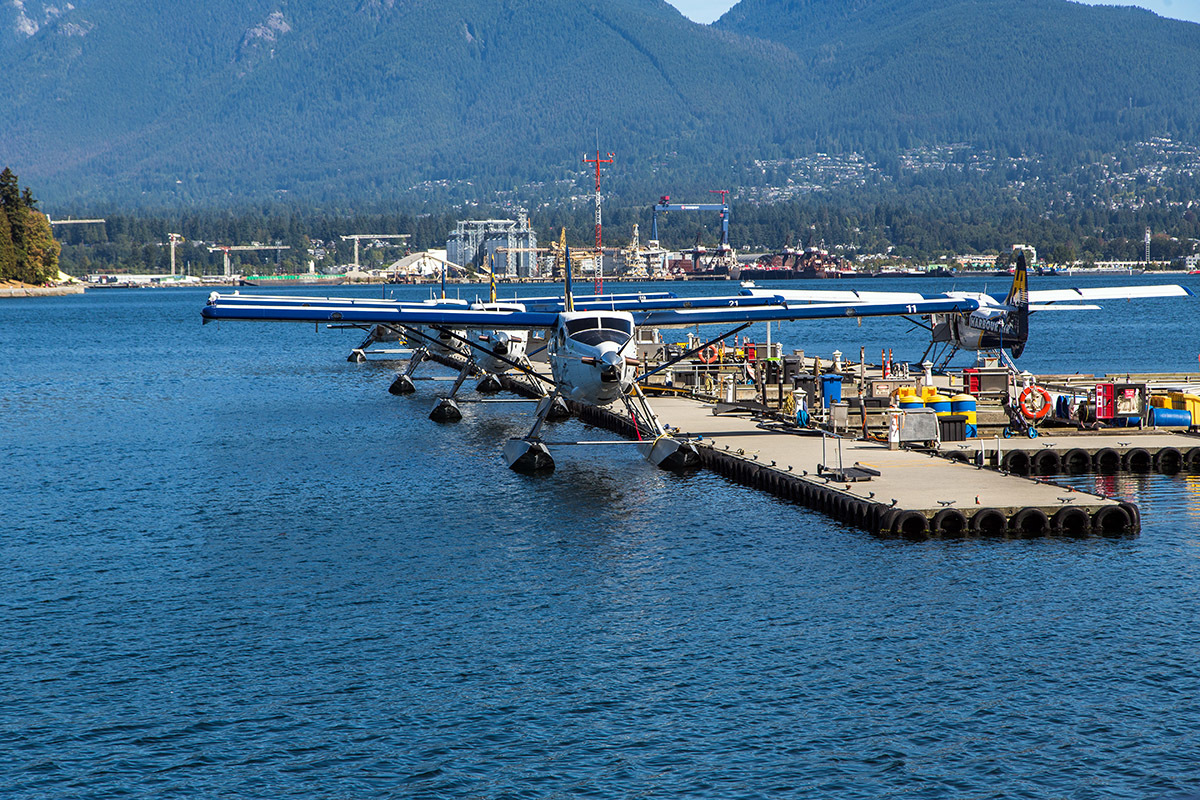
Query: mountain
(208, 99)
(208, 102)
(1048, 75)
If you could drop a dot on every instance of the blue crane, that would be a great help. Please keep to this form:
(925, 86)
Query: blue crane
(664, 205)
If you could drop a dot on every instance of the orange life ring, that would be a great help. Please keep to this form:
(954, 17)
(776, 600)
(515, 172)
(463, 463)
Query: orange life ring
(1044, 403)
(708, 355)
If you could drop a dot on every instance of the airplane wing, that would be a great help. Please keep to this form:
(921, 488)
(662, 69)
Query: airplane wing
(682, 317)
(220, 307)
(1068, 307)
(834, 295)
(1107, 293)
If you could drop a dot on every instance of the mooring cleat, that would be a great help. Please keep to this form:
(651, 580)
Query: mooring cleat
(527, 456)
(402, 385)
(489, 384)
(446, 411)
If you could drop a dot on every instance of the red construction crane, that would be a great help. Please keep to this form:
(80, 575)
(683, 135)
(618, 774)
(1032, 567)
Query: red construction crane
(599, 251)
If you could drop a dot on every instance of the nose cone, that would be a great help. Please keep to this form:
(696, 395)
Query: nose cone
(500, 348)
(610, 366)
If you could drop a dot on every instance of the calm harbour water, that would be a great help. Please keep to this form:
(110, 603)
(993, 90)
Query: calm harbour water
(233, 565)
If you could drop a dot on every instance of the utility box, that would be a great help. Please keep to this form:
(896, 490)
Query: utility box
(953, 427)
(919, 425)
(884, 387)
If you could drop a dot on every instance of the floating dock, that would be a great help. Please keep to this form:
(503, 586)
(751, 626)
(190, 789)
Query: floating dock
(906, 493)
(984, 487)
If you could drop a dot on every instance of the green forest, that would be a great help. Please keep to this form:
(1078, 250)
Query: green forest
(28, 251)
(137, 243)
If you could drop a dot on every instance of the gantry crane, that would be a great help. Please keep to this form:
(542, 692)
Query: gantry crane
(724, 251)
(228, 248)
(357, 236)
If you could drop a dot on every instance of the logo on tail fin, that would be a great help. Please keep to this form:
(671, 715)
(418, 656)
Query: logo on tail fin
(1016, 330)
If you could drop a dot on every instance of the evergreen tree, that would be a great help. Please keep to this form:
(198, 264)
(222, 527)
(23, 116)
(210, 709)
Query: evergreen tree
(8, 253)
(10, 202)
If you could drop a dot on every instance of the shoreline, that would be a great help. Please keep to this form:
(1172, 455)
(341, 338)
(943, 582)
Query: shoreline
(39, 291)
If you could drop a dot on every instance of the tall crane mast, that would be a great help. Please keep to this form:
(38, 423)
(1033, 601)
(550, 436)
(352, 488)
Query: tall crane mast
(175, 239)
(357, 236)
(599, 249)
(227, 249)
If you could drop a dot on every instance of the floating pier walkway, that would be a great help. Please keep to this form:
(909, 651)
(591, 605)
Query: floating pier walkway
(906, 493)
(988, 487)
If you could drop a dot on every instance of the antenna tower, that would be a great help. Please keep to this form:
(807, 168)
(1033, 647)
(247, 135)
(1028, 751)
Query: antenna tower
(599, 251)
(1147, 246)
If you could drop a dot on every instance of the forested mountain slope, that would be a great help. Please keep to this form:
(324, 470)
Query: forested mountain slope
(199, 102)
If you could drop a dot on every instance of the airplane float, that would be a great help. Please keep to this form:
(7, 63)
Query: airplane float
(589, 343)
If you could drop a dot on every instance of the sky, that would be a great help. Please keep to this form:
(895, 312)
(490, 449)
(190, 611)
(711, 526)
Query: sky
(708, 10)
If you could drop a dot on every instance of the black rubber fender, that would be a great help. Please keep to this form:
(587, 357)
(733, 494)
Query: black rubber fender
(1112, 521)
(1045, 462)
(1106, 461)
(1030, 522)
(988, 522)
(1191, 460)
(1076, 461)
(1016, 462)
(1168, 461)
(911, 525)
(1137, 460)
(882, 519)
(950, 523)
(1135, 517)
(1071, 521)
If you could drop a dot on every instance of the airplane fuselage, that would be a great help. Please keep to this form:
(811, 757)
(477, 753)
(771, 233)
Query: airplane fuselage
(588, 355)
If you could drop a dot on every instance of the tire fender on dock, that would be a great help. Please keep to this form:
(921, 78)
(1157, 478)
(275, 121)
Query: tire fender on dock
(1168, 461)
(1076, 461)
(1106, 461)
(1015, 462)
(1030, 522)
(1112, 521)
(988, 522)
(950, 523)
(911, 525)
(1137, 460)
(1192, 460)
(1045, 462)
(1071, 521)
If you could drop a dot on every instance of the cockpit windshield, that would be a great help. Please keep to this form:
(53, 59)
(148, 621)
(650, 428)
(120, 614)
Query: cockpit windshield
(594, 330)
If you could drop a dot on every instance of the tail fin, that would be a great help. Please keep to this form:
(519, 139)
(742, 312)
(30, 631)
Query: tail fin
(570, 299)
(492, 278)
(1017, 329)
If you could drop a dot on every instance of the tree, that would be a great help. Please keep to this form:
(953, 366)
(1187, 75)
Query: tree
(41, 250)
(8, 252)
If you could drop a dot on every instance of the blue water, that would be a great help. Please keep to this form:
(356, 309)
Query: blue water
(232, 565)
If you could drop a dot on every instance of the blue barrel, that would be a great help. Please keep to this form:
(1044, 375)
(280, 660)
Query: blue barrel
(966, 405)
(1165, 417)
(939, 403)
(910, 403)
(831, 389)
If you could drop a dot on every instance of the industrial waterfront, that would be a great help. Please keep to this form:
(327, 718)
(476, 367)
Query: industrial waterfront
(237, 565)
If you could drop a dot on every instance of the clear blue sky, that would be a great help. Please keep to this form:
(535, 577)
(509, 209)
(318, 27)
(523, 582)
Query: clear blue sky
(708, 10)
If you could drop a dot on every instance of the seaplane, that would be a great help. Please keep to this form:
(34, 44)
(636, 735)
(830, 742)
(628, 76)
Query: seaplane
(997, 324)
(590, 345)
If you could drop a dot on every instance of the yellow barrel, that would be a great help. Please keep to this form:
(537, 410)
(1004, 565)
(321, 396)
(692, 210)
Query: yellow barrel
(928, 392)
